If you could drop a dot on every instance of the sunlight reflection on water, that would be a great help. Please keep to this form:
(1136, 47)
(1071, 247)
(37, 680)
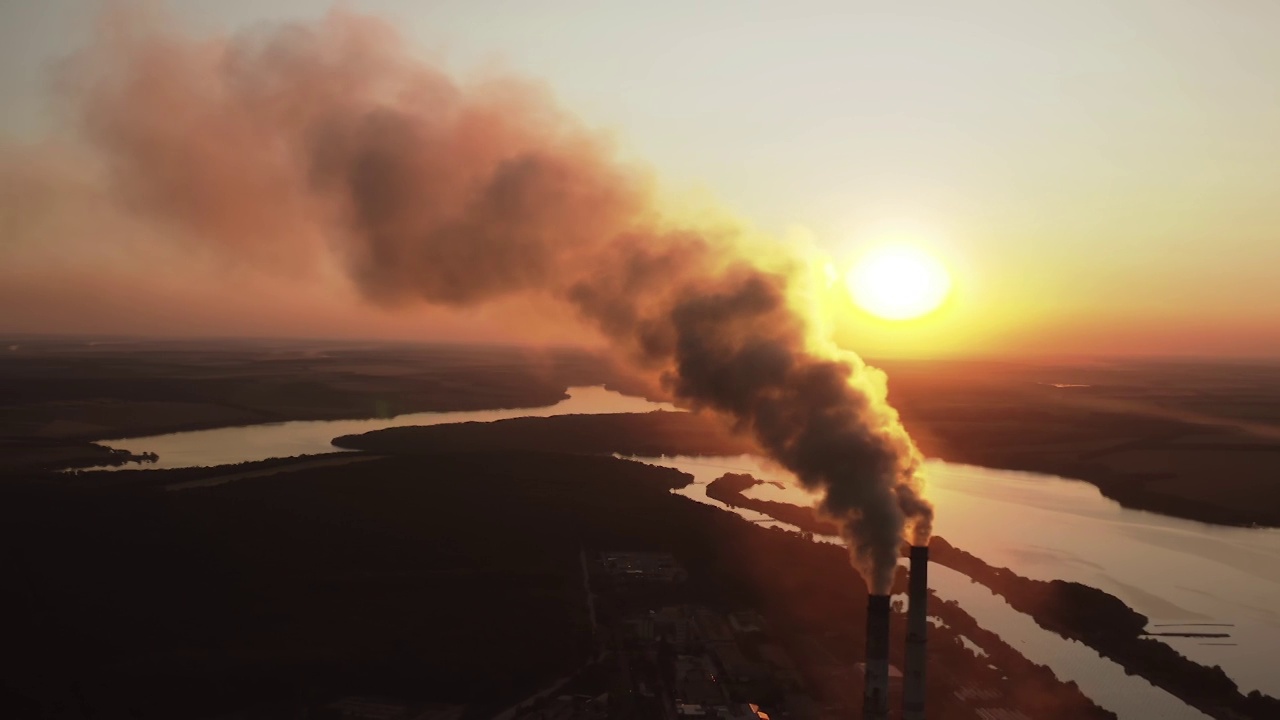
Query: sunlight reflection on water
(248, 443)
(1045, 527)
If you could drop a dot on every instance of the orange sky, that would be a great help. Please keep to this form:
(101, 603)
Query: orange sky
(1099, 178)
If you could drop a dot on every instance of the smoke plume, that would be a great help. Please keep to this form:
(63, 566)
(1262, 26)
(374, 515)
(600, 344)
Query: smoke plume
(303, 146)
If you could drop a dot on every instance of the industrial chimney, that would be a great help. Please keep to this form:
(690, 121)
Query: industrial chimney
(917, 632)
(875, 699)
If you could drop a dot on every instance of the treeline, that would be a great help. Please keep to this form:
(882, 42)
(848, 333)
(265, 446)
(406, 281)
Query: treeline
(647, 434)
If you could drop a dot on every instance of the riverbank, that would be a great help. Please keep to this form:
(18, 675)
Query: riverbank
(729, 488)
(1196, 440)
(322, 581)
(58, 396)
(1106, 624)
(1072, 610)
(651, 433)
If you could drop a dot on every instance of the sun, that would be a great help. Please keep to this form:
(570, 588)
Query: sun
(898, 282)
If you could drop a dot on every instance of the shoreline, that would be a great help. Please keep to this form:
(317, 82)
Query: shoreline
(1071, 610)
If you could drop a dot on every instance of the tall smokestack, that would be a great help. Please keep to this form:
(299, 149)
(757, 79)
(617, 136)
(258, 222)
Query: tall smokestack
(875, 699)
(917, 634)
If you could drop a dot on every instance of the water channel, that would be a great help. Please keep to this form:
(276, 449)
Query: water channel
(1180, 573)
(1185, 576)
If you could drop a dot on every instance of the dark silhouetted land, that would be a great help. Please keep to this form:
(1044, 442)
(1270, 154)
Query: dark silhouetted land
(1198, 440)
(647, 434)
(729, 488)
(1104, 623)
(449, 571)
(451, 577)
(1195, 440)
(57, 395)
(1072, 610)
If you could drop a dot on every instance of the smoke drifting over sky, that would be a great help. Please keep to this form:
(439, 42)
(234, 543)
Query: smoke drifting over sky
(317, 149)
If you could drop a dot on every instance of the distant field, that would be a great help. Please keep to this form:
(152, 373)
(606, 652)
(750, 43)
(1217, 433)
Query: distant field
(88, 392)
(1197, 440)
(56, 395)
(1194, 439)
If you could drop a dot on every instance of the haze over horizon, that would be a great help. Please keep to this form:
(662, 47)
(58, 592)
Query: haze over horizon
(484, 359)
(1097, 178)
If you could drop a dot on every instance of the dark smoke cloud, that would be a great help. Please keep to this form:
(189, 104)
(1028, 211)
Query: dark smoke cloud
(296, 146)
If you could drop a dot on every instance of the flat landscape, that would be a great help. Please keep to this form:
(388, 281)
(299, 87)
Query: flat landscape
(444, 565)
(435, 577)
(396, 360)
(1197, 440)
(1192, 439)
(58, 394)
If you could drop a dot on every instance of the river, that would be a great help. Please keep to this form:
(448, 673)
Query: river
(249, 443)
(1182, 574)
(1174, 571)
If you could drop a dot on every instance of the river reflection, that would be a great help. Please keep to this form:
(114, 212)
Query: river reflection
(1044, 527)
(1105, 682)
(248, 443)
(1174, 571)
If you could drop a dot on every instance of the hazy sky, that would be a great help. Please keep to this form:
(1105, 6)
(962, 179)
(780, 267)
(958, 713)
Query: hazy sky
(1100, 175)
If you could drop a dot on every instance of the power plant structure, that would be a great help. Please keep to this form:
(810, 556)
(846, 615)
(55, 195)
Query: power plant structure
(875, 699)
(917, 634)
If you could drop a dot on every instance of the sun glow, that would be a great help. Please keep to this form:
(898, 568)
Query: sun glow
(898, 282)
